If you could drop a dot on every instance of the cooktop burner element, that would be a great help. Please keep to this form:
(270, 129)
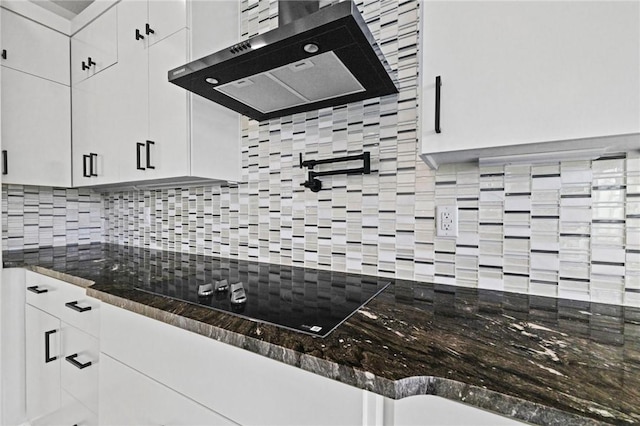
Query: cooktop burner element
(306, 300)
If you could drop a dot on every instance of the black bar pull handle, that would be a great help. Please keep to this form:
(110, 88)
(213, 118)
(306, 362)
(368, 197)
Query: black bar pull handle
(5, 162)
(149, 143)
(148, 30)
(438, 85)
(138, 156)
(93, 159)
(4, 53)
(90, 61)
(138, 35)
(85, 173)
(85, 66)
(36, 290)
(74, 305)
(47, 347)
(72, 360)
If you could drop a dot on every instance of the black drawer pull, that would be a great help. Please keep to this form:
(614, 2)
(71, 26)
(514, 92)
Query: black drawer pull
(93, 160)
(148, 29)
(5, 162)
(36, 290)
(90, 61)
(85, 66)
(47, 347)
(149, 143)
(438, 84)
(72, 360)
(4, 53)
(138, 35)
(139, 155)
(85, 173)
(74, 305)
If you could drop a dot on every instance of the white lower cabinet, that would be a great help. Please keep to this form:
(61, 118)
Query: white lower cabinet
(43, 362)
(239, 385)
(434, 410)
(61, 359)
(131, 398)
(71, 412)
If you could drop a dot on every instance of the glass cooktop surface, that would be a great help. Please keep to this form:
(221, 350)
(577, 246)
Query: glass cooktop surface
(305, 300)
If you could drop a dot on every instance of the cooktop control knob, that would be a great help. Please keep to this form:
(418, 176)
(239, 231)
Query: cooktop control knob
(222, 285)
(238, 295)
(205, 290)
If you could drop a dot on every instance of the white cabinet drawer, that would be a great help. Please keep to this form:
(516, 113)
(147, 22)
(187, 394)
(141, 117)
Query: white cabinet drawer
(240, 385)
(66, 301)
(128, 397)
(79, 368)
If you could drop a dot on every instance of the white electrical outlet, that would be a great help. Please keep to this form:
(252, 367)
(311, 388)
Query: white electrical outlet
(447, 221)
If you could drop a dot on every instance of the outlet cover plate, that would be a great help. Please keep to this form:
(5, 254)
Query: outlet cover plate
(447, 221)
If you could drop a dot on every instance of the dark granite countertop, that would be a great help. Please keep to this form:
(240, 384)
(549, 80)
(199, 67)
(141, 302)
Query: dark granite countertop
(542, 360)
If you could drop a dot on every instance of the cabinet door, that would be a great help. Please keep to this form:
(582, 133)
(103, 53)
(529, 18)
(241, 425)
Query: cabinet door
(525, 72)
(128, 397)
(96, 128)
(166, 17)
(36, 130)
(97, 41)
(43, 362)
(168, 110)
(34, 48)
(131, 92)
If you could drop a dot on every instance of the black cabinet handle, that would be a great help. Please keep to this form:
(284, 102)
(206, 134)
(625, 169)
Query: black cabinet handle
(148, 29)
(4, 53)
(149, 143)
(85, 66)
(90, 61)
(72, 360)
(74, 305)
(138, 35)
(93, 160)
(438, 84)
(5, 162)
(138, 156)
(47, 347)
(36, 290)
(84, 166)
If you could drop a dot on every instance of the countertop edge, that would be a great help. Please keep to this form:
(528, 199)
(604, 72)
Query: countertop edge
(475, 396)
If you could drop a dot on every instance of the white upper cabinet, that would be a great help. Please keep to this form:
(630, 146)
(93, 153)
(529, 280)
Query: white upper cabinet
(36, 103)
(36, 130)
(94, 48)
(160, 133)
(165, 17)
(33, 48)
(520, 73)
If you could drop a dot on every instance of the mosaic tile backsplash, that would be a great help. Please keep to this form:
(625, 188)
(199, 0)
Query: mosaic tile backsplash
(34, 216)
(567, 229)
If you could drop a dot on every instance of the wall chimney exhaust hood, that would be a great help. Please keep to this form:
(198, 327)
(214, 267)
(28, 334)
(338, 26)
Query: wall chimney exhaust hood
(316, 58)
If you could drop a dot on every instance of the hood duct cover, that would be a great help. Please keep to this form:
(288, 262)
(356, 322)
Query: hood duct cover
(322, 59)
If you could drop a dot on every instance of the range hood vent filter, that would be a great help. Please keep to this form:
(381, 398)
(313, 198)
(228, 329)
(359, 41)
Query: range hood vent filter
(322, 58)
(310, 80)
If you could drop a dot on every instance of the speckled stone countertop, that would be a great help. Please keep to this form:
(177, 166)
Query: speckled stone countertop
(541, 360)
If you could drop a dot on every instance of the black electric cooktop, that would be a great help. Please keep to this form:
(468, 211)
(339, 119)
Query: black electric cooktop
(305, 300)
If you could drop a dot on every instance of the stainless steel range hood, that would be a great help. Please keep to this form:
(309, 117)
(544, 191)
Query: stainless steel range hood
(316, 58)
